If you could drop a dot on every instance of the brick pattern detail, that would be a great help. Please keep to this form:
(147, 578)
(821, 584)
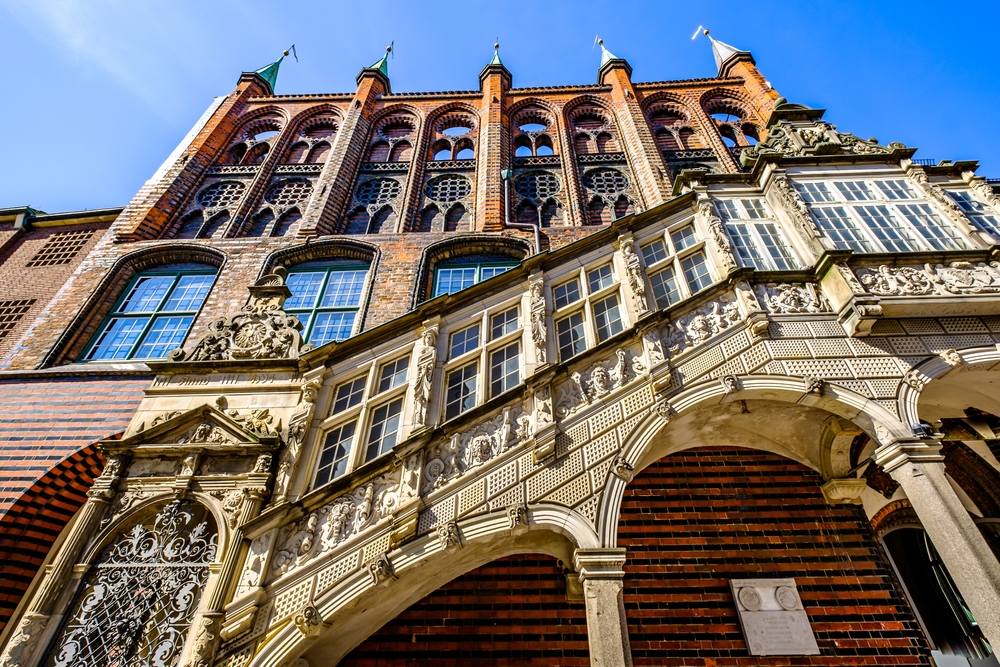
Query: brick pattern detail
(512, 611)
(61, 248)
(11, 313)
(49, 462)
(696, 519)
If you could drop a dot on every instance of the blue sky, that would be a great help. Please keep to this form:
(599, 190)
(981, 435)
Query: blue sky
(99, 92)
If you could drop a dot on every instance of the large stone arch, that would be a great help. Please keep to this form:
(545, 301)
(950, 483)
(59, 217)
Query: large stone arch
(365, 600)
(927, 390)
(643, 445)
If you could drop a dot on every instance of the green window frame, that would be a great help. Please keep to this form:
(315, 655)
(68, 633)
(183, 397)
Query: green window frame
(450, 278)
(152, 316)
(327, 299)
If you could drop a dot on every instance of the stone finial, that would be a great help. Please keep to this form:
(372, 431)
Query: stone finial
(262, 329)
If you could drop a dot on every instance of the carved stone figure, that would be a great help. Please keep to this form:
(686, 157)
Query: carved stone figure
(813, 385)
(701, 324)
(262, 330)
(517, 515)
(935, 192)
(730, 384)
(797, 209)
(952, 357)
(539, 330)
(620, 467)
(297, 427)
(466, 451)
(956, 278)
(425, 376)
(448, 534)
(22, 645)
(308, 620)
(784, 298)
(718, 232)
(914, 380)
(602, 378)
(861, 147)
(380, 570)
(653, 345)
(254, 566)
(636, 279)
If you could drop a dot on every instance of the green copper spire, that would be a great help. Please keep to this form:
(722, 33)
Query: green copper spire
(606, 56)
(383, 64)
(496, 55)
(270, 72)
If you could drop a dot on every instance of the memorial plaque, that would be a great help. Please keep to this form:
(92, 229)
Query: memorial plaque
(772, 617)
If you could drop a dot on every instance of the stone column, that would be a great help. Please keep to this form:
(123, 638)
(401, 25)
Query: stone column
(918, 466)
(601, 574)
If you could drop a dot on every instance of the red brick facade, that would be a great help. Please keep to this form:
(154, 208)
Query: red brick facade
(696, 519)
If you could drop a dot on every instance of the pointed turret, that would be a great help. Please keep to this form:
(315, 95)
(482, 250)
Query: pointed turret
(380, 69)
(726, 55)
(267, 74)
(610, 61)
(496, 66)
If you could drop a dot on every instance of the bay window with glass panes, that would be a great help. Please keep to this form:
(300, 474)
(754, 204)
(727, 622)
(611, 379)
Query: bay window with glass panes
(326, 297)
(365, 417)
(756, 234)
(483, 359)
(588, 309)
(878, 215)
(982, 216)
(675, 264)
(153, 315)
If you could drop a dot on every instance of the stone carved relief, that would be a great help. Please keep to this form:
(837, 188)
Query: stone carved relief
(952, 357)
(517, 515)
(797, 209)
(934, 192)
(985, 192)
(539, 317)
(298, 425)
(464, 452)
(335, 522)
(232, 501)
(955, 278)
(785, 298)
(253, 569)
(308, 620)
(256, 421)
(635, 274)
(853, 144)
(543, 406)
(718, 232)
(381, 570)
(22, 645)
(262, 330)
(701, 324)
(426, 359)
(653, 346)
(851, 279)
(448, 534)
(205, 433)
(598, 380)
(124, 502)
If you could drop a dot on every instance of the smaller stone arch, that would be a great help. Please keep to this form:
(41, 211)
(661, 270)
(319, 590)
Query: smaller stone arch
(336, 248)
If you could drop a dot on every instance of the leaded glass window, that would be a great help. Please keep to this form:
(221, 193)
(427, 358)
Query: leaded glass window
(154, 315)
(326, 299)
(136, 604)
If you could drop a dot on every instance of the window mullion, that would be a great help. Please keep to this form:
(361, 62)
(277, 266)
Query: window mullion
(864, 228)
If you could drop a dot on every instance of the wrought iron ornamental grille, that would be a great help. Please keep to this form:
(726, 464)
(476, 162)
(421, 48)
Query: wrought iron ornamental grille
(137, 602)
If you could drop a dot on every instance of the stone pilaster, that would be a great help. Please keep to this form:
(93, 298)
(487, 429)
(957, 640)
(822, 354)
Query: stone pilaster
(601, 573)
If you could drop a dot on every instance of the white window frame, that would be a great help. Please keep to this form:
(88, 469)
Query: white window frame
(673, 259)
(748, 217)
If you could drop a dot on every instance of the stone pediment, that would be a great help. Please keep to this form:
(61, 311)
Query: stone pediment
(204, 429)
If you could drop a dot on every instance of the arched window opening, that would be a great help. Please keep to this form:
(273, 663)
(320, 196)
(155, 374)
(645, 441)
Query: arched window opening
(531, 126)
(454, 221)
(264, 135)
(457, 130)
(527, 214)
(598, 213)
(690, 139)
(589, 120)
(623, 207)
(261, 223)
(666, 141)
(606, 143)
(522, 151)
(550, 213)
(726, 117)
(190, 226)
(297, 153)
(430, 219)
(235, 154)
(326, 297)
(583, 144)
(940, 608)
(357, 222)
(543, 145)
(384, 221)
(138, 600)
(154, 314)
(215, 227)
(257, 154)
(379, 152)
(751, 134)
(286, 221)
(464, 150)
(728, 136)
(318, 153)
(401, 152)
(441, 150)
(458, 273)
